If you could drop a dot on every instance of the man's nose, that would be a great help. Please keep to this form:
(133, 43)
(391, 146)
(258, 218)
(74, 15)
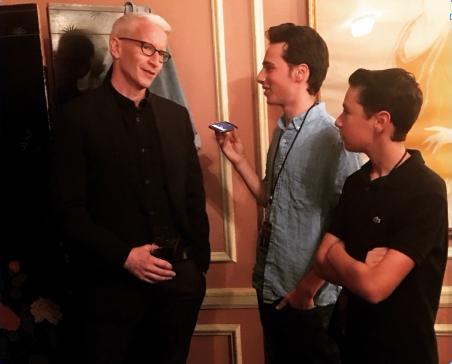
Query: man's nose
(260, 76)
(338, 122)
(155, 59)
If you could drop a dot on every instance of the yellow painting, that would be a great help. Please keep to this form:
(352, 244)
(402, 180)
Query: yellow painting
(410, 34)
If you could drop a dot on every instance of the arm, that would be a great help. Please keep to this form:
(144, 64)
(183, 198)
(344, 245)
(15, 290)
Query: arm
(302, 296)
(70, 183)
(374, 284)
(322, 266)
(418, 226)
(232, 148)
(198, 223)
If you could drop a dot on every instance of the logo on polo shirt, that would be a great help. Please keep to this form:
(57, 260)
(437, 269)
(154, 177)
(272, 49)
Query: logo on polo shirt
(377, 220)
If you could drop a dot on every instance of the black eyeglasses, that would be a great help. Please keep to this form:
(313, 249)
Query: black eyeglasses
(148, 49)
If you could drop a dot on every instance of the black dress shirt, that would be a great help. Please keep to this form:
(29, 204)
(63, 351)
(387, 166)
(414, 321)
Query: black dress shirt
(142, 133)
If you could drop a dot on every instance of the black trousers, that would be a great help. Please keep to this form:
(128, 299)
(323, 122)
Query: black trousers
(156, 329)
(295, 336)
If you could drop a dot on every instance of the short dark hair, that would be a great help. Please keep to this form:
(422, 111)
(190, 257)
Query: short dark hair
(304, 45)
(393, 90)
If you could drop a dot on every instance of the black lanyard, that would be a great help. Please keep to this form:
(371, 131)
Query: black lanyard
(287, 154)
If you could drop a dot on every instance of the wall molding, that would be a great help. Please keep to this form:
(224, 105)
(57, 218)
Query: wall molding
(226, 298)
(446, 297)
(261, 114)
(443, 329)
(221, 87)
(239, 298)
(312, 14)
(232, 331)
(87, 8)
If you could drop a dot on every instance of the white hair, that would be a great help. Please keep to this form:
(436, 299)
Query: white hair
(130, 20)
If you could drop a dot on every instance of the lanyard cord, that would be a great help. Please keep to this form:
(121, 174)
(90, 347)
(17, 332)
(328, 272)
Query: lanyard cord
(287, 154)
(400, 161)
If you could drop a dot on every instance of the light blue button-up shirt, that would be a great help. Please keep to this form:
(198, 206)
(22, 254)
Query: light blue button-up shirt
(305, 193)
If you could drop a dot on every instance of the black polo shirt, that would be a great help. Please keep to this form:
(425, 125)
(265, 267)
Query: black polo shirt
(407, 211)
(142, 133)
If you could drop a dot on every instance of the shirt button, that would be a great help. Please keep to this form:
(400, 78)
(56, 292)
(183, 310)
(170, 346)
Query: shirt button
(146, 181)
(142, 150)
(137, 120)
(367, 188)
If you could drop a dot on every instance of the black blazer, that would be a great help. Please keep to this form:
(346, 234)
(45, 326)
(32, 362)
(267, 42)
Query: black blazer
(97, 196)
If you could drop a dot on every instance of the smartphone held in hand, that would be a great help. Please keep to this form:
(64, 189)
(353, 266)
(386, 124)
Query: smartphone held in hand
(223, 126)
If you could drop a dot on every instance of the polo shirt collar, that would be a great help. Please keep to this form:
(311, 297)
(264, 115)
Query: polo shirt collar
(397, 178)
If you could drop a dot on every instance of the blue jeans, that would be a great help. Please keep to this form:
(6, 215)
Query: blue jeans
(295, 336)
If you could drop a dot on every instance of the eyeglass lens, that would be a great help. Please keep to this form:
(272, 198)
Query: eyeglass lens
(149, 50)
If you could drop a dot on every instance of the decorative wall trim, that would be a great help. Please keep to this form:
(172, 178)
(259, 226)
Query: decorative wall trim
(312, 17)
(443, 329)
(235, 298)
(221, 85)
(87, 8)
(312, 20)
(446, 297)
(233, 334)
(261, 103)
(223, 298)
(225, 256)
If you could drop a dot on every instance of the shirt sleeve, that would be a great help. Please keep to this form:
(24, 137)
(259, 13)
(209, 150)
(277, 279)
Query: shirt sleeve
(418, 226)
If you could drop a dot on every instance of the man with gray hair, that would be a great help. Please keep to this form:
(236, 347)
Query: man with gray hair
(125, 164)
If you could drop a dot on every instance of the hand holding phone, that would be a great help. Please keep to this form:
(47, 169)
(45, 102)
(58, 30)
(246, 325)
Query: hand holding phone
(223, 126)
(230, 143)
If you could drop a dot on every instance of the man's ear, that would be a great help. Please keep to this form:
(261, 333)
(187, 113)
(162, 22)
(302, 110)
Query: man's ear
(301, 72)
(382, 121)
(115, 47)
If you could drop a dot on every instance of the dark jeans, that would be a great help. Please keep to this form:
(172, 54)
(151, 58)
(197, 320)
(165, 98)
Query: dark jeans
(156, 331)
(295, 336)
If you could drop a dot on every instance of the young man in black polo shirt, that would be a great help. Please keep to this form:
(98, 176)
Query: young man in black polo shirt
(387, 241)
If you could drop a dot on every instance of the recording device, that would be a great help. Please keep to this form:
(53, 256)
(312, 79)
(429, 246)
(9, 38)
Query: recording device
(223, 126)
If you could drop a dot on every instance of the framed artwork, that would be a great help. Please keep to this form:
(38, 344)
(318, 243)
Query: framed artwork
(410, 34)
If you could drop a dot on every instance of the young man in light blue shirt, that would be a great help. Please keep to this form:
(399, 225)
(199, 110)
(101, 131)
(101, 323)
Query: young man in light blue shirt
(306, 168)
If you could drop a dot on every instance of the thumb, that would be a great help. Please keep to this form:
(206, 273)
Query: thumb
(282, 304)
